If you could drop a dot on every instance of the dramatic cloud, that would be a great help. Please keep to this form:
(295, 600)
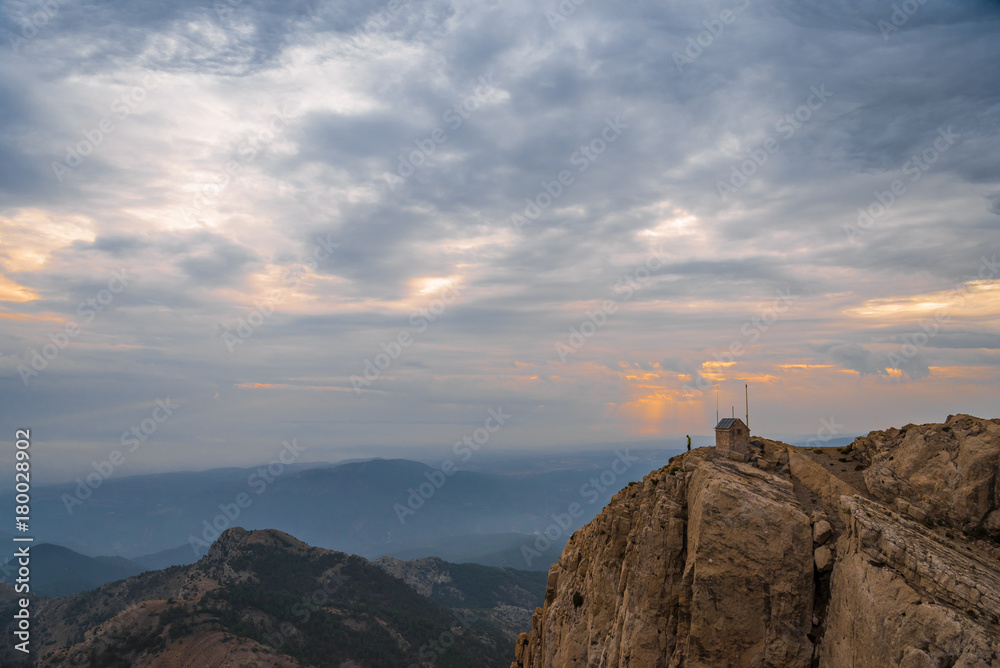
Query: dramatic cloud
(363, 225)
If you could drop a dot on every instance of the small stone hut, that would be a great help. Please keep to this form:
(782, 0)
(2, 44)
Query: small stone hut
(731, 434)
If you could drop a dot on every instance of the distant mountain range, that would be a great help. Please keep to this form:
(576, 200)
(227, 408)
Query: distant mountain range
(266, 598)
(373, 508)
(58, 571)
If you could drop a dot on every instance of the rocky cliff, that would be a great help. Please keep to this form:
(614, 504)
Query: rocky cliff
(882, 553)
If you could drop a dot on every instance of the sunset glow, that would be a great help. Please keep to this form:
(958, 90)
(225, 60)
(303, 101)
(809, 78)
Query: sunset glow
(292, 224)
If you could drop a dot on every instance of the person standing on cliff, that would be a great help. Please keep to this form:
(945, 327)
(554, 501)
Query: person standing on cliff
(689, 443)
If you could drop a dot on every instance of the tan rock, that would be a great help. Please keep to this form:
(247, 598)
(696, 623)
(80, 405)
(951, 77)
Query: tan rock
(519, 648)
(817, 479)
(897, 590)
(714, 566)
(685, 572)
(823, 558)
(949, 471)
(916, 658)
(822, 532)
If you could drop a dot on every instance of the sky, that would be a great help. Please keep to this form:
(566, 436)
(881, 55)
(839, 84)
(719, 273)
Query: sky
(363, 226)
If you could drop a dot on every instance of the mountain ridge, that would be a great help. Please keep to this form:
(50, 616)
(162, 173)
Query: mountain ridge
(58, 570)
(357, 509)
(885, 552)
(264, 597)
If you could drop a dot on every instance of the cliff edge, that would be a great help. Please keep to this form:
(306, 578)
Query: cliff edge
(882, 553)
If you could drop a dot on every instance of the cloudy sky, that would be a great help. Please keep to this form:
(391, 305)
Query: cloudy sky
(363, 225)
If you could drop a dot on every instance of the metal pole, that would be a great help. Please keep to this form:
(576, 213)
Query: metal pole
(747, 388)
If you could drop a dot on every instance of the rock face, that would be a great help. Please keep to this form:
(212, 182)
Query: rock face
(683, 570)
(777, 562)
(947, 472)
(902, 597)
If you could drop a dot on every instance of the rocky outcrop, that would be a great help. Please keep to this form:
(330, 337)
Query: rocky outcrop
(949, 473)
(683, 570)
(901, 596)
(230, 558)
(782, 561)
(505, 597)
(424, 575)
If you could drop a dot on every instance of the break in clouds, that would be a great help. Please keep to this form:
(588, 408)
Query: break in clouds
(361, 225)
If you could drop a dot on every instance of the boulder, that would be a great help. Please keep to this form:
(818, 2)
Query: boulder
(950, 473)
(823, 558)
(822, 532)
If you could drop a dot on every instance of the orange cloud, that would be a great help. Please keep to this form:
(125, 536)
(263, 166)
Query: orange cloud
(287, 386)
(12, 292)
(29, 238)
(972, 299)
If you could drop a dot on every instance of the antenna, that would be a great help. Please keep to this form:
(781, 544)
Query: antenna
(716, 403)
(747, 388)
(734, 412)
